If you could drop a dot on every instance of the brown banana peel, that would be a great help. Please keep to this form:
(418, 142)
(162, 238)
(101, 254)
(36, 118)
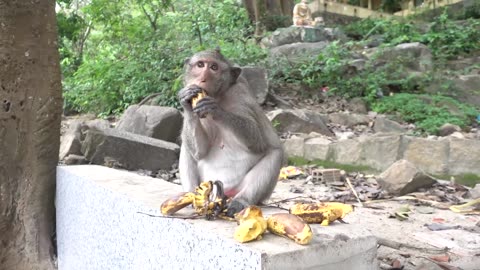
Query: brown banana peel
(323, 213)
(290, 226)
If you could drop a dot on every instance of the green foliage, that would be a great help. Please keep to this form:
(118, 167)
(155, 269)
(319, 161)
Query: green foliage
(137, 47)
(428, 112)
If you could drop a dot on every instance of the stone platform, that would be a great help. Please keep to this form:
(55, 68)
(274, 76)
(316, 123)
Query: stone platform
(102, 223)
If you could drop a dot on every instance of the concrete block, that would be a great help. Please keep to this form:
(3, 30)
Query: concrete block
(101, 225)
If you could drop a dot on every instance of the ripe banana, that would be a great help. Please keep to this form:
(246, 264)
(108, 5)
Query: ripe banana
(290, 226)
(323, 213)
(208, 200)
(251, 224)
(197, 98)
(176, 203)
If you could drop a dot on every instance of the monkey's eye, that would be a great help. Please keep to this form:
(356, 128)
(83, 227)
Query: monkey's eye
(200, 64)
(214, 67)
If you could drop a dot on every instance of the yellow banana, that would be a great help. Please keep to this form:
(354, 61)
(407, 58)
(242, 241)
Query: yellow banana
(251, 224)
(176, 203)
(290, 226)
(323, 213)
(198, 97)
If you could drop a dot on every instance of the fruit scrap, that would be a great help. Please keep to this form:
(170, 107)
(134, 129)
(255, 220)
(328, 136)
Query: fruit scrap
(208, 200)
(197, 98)
(176, 203)
(290, 226)
(251, 224)
(323, 213)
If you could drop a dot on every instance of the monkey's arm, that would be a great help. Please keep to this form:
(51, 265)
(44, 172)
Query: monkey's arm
(194, 136)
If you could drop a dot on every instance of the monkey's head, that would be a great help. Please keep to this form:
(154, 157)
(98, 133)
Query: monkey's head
(211, 71)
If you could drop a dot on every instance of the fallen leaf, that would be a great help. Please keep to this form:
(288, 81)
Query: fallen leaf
(441, 258)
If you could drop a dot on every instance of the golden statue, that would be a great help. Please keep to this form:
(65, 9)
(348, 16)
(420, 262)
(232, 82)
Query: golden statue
(301, 14)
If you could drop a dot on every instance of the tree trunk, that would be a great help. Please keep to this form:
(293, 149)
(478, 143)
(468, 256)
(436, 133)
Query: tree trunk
(30, 111)
(260, 11)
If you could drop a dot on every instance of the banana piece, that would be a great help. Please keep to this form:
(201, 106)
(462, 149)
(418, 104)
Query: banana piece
(290, 226)
(323, 213)
(176, 203)
(251, 224)
(198, 97)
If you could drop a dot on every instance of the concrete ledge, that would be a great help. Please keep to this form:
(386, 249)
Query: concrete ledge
(99, 227)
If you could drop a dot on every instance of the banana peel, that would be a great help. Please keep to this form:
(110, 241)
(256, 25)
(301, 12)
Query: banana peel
(290, 226)
(208, 200)
(198, 97)
(323, 213)
(251, 226)
(176, 203)
(471, 207)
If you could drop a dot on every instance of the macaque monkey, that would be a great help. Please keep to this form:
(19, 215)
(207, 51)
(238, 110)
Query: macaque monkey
(226, 136)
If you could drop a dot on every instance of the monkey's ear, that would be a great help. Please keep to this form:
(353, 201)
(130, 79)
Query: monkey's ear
(235, 72)
(186, 61)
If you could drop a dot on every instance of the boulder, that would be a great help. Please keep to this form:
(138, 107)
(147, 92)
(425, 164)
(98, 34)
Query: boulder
(258, 81)
(316, 148)
(71, 141)
(346, 152)
(358, 105)
(300, 121)
(294, 147)
(385, 125)
(428, 155)
(128, 150)
(349, 119)
(467, 89)
(403, 177)
(296, 52)
(447, 129)
(163, 123)
(414, 56)
(464, 156)
(380, 150)
(294, 34)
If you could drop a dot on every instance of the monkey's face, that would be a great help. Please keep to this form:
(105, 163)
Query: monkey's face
(208, 73)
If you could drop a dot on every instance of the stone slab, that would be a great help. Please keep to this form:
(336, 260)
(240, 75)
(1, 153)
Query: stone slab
(102, 223)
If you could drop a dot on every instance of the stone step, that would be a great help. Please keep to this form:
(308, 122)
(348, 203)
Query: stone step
(102, 223)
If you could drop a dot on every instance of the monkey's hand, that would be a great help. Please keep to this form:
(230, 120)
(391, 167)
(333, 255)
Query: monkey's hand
(206, 105)
(186, 94)
(236, 206)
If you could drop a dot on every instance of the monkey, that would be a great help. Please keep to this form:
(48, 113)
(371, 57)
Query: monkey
(226, 136)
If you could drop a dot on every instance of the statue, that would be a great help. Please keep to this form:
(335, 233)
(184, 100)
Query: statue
(302, 15)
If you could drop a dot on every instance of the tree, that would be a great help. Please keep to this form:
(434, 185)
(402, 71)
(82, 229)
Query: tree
(269, 14)
(30, 111)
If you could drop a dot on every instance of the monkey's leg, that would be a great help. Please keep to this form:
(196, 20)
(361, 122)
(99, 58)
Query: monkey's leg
(259, 182)
(189, 176)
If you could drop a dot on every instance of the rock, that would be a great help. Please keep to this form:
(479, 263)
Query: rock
(349, 120)
(258, 82)
(296, 52)
(403, 177)
(69, 144)
(380, 150)
(279, 101)
(447, 129)
(457, 135)
(300, 121)
(413, 56)
(346, 152)
(358, 105)
(341, 136)
(382, 124)
(293, 34)
(475, 192)
(464, 156)
(316, 148)
(128, 150)
(467, 89)
(163, 123)
(75, 160)
(294, 147)
(428, 155)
